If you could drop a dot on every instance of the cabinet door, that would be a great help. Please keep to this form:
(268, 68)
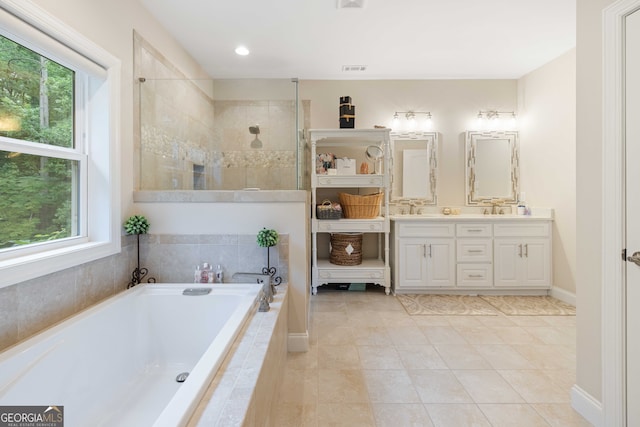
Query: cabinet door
(441, 268)
(412, 268)
(507, 255)
(536, 266)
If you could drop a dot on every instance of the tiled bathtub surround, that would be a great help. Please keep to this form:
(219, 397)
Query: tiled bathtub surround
(248, 382)
(173, 258)
(31, 306)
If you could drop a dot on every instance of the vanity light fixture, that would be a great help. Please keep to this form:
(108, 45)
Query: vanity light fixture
(411, 118)
(493, 119)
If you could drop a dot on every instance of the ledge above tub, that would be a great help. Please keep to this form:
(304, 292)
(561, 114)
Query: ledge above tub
(221, 196)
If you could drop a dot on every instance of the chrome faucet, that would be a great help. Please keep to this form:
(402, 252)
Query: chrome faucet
(496, 206)
(268, 289)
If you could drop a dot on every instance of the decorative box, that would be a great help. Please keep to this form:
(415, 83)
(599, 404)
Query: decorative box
(347, 110)
(347, 122)
(346, 166)
(345, 100)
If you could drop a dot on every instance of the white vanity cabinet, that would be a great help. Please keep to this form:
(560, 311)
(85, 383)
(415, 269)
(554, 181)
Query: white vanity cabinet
(470, 254)
(474, 255)
(522, 255)
(351, 143)
(423, 256)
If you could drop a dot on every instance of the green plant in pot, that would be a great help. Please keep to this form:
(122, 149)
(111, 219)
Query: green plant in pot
(267, 238)
(138, 224)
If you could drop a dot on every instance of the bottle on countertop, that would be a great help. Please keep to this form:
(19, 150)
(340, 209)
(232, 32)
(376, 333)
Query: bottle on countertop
(197, 275)
(219, 274)
(206, 268)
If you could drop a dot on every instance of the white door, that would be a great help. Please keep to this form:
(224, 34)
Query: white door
(632, 144)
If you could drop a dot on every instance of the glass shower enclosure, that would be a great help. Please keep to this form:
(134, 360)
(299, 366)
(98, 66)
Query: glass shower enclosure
(220, 134)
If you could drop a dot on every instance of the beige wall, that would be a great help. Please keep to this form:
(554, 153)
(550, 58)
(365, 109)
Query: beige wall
(547, 126)
(589, 195)
(453, 103)
(545, 101)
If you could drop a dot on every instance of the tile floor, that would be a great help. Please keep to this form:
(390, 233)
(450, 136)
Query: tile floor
(371, 364)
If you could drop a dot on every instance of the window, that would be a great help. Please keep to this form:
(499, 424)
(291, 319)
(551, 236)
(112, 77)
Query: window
(59, 198)
(39, 160)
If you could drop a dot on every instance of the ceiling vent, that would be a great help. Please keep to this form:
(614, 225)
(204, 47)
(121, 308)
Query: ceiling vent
(349, 68)
(350, 4)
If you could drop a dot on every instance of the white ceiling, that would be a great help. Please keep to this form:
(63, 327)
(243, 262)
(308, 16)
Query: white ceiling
(395, 39)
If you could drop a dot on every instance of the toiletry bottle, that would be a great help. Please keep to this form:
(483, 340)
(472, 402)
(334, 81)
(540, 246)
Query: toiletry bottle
(219, 274)
(205, 273)
(197, 276)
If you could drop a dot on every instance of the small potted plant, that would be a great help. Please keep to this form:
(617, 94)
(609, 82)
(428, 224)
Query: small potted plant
(138, 224)
(267, 238)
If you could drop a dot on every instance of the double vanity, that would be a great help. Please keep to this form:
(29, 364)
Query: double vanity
(471, 253)
(413, 249)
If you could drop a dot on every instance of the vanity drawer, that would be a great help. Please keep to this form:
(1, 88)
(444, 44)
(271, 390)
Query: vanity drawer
(474, 250)
(421, 229)
(474, 230)
(533, 229)
(475, 275)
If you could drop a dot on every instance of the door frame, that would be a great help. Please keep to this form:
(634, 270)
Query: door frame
(613, 214)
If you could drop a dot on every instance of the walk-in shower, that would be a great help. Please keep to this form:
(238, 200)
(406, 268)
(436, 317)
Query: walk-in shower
(193, 134)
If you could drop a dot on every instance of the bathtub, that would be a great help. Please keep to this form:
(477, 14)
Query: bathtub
(116, 363)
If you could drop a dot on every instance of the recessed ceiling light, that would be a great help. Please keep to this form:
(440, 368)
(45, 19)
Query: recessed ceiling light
(242, 51)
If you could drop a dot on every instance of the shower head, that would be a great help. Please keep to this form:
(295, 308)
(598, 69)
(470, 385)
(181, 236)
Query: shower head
(254, 130)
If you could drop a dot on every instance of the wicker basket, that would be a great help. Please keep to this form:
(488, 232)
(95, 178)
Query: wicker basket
(328, 210)
(356, 206)
(346, 249)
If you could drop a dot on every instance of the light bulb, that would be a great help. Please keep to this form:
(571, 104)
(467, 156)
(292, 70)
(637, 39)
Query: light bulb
(242, 51)
(480, 121)
(513, 121)
(428, 124)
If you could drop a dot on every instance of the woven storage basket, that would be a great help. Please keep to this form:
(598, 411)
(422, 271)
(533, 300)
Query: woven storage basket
(328, 210)
(346, 249)
(356, 206)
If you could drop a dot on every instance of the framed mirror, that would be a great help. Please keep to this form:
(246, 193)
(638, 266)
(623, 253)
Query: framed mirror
(414, 167)
(492, 167)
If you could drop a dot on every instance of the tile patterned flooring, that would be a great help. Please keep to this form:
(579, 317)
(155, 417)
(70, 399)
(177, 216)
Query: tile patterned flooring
(371, 364)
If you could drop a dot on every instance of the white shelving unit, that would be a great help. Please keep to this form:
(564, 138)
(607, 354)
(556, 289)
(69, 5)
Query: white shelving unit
(351, 143)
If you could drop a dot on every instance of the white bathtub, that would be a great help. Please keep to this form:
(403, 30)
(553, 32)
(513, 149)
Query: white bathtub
(116, 363)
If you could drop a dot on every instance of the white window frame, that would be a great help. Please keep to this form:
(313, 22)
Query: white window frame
(97, 143)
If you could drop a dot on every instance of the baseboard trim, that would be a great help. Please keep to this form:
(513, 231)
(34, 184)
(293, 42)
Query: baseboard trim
(563, 295)
(587, 406)
(298, 342)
